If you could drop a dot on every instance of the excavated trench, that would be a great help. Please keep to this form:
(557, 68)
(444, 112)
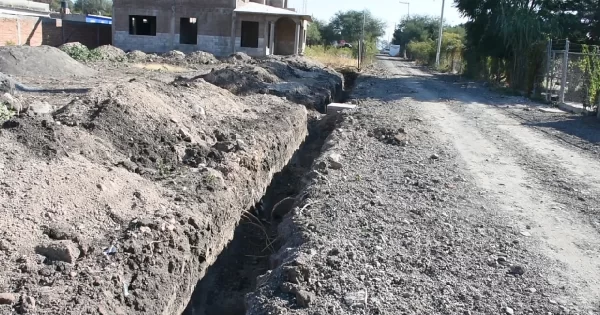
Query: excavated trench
(222, 291)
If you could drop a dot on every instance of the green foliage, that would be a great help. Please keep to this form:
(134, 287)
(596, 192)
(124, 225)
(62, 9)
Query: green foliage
(5, 112)
(423, 52)
(313, 34)
(348, 26)
(97, 7)
(590, 65)
(417, 28)
(80, 52)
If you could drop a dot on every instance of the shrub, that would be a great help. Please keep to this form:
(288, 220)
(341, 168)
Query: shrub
(80, 52)
(423, 52)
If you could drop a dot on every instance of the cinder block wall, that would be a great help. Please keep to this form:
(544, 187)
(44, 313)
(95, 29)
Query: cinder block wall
(213, 19)
(35, 31)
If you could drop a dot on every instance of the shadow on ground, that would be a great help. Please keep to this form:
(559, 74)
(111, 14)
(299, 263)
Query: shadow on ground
(423, 86)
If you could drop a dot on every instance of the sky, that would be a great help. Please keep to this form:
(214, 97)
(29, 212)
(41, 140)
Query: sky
(388, 10)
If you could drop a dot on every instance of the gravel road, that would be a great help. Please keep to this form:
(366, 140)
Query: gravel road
(438, 197)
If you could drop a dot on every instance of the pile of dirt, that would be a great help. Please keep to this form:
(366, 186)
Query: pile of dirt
(136, 55)
(294, 78)
(238, 57)
(42, 61)
(202, 57)
(109, 52)
(242, 80)
(174, 54)
(119, 201)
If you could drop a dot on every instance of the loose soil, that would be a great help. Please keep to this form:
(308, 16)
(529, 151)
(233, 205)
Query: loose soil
(43, 61)
(434, 198)
(118, 199)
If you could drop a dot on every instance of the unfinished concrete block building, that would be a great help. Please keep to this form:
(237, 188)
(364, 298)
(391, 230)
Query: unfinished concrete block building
(221, 27)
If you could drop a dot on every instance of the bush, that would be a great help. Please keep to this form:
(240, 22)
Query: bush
(5, 112)
(423, 52)
(80, 52)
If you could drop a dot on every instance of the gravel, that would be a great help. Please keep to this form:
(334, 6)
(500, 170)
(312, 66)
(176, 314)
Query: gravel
(434, 226)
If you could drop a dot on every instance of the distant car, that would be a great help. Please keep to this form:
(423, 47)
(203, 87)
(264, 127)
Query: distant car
(346, 45)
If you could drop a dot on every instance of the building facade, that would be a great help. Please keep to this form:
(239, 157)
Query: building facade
(221, 27)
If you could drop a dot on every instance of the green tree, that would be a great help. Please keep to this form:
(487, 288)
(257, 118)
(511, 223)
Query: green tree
(99, 7)
(348, 26)
(417, 28)
(313, 34)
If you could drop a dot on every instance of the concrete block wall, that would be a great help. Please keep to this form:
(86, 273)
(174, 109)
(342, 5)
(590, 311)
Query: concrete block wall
(255, 52)
(36, 31)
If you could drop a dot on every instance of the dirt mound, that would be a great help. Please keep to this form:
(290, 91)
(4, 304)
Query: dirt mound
(174, 54)
(202, 57)
(237, 58)
(242, 80)
(296, 79)
(136, 55)
(42, 61)
(132, 190)
(109, 52)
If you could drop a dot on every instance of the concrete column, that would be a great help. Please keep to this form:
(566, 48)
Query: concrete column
(233, 31)
(265, 36)
(297, 38)
(272, 39)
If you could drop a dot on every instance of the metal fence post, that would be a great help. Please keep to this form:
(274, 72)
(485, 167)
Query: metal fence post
(565, 69)
(547, 74)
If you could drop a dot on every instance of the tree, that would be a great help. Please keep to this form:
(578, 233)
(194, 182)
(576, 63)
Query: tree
(348, 26)
(100, 7)
(55, 4)
(313, 34)
(416, 28)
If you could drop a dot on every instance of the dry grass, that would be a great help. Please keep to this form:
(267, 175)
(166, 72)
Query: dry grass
(332, 57)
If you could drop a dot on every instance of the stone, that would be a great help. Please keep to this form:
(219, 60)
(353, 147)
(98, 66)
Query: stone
(145, 230)
(335, 161)
(354, 299)
(509, 310)
(7, 298)
(12, 103)
(39, 108)
(4, 245)
(531, 290)
(434, 157)
(304, 298)
(289, 287)
(185, 135)
(27, 304)
(66, 251)
(516, 270)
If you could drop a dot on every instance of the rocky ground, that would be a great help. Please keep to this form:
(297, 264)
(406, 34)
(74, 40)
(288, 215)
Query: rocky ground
(122, 181)
(441, 197)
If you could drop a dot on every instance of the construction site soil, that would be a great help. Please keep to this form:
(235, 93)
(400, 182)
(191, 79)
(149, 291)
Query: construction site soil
(122, 182)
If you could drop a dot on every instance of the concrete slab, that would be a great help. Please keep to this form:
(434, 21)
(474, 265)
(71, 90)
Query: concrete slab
(551, 110)
(572, 107)
(335, 108)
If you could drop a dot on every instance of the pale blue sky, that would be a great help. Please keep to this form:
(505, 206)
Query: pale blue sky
(389, 10)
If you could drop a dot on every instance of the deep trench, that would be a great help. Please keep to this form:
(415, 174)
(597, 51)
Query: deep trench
(222, 291)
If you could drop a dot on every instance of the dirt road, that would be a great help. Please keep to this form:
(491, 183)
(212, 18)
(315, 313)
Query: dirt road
(441, 197)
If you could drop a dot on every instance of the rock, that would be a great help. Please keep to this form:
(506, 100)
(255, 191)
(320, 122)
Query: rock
(101, 187)
(509, 310)
(39, 108)
(434, 157)
(516, 270)
(4, 245)
(354, 299)
(7, 298)
(288, 287)
(553, 302)
(11, 102)
(304, 298)
(531, 290)
(185, 135)
(527, 234)
(198, 111)
(66, 251)
(27, 304)
(335, 161)
(145, 230)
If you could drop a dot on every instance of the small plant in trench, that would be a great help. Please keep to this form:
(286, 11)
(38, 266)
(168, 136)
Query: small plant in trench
(5, 112)
(81, 53)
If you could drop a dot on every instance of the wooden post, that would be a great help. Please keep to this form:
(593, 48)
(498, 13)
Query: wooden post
(565, 69)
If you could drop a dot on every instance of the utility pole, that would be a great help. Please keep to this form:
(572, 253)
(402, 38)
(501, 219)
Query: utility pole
(439, 47)
(362, 40)
(407, 4)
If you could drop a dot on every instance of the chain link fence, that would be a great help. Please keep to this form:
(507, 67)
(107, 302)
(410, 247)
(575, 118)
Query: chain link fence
(568, 75)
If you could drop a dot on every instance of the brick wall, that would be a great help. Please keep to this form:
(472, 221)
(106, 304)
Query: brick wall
(36, 31)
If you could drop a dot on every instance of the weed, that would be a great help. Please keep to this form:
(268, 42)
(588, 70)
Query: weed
(5, 112)
(10, 43)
